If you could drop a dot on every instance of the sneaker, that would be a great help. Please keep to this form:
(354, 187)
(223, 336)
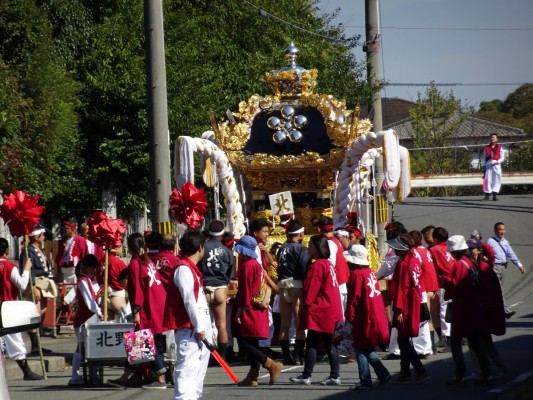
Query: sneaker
(391, 356)
(457, 381)
(155, 385)
(402, 378)
(329, 381)
(300, 380)
(421, 375)
(384, 380)
(32, 376)
(118, 383)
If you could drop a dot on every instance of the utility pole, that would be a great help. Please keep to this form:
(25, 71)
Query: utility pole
(373, 76)
(156, 88)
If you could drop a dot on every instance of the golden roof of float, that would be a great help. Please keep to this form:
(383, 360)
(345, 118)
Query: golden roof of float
(271, 137)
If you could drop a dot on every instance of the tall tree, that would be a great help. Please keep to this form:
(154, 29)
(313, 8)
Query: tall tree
(39, 138)
(435, 120)
(216, 54)
(73, 93)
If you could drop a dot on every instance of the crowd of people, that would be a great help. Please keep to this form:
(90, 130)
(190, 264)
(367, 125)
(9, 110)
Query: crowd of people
(450, 289)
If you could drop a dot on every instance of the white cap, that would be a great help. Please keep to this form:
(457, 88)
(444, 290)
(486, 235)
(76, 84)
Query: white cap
(456, 243)
(357, 254)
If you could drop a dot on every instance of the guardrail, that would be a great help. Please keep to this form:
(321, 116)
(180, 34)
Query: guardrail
(468, 179)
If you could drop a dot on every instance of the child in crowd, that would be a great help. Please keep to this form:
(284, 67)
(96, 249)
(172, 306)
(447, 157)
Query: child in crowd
(366, 312)
(87, 302)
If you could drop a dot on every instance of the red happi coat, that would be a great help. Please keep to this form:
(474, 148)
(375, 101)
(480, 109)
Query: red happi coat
(78, 250)
(83, 313)
(8, 291)
(493, 153)
(406, 297)
(320, 302)
(254, 321)
(429, 274)
(492, 299)
(469, 313)
(443, 260)
(116, 266)
(366, 311)
(341, 266)
(176, 315)
(489, 253)
(165, 262)
(146, 290)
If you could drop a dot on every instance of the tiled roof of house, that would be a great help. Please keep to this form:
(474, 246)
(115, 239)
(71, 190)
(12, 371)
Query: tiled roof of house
(471, 127)
(392, 110)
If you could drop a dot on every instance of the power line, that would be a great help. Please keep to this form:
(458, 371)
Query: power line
(266, 14)
(468, 146)
(441, 28)
(456, 84)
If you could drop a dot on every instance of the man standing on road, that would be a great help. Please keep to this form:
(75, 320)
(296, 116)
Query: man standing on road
(187, 312)
(503, 252)
(493, 156)
(11, 281)
(72, 249)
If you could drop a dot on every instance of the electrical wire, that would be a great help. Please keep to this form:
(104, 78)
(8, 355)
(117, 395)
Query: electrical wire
(467, 146)
(265, 13)
(458, 84)
(442, 28)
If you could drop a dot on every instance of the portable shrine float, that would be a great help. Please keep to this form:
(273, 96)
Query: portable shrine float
(294, 140)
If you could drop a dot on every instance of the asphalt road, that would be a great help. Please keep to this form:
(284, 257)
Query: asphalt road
(459, 216)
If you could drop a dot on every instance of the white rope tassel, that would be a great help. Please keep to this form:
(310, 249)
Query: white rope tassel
(188, 146)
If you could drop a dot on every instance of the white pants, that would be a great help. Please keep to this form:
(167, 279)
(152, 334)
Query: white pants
(445, 327)
(393, 342)
(16, 350)
(69, 275)
(422, 343)
(493, 177)
(191, 367)
(344, 297)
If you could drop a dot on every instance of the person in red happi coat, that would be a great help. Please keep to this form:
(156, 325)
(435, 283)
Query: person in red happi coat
(251, 320)
(468, 317)
(406, 305)
(320, 309)
(71, 250)
(147, 297)
(366, 312)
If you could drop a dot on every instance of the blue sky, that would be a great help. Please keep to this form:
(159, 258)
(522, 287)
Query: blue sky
(448, 56)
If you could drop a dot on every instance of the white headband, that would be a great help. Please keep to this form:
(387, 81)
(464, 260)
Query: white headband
(296, 231)
(216, 233)
(37, 232)
(342, 232)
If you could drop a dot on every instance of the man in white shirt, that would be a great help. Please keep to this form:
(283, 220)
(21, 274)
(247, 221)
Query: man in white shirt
(187, 312)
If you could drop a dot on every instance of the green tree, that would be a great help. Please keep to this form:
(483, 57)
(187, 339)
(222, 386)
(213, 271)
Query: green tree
(40, 142)
(73, 95)
(435, 120)
(216, 54)
(515, 110)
